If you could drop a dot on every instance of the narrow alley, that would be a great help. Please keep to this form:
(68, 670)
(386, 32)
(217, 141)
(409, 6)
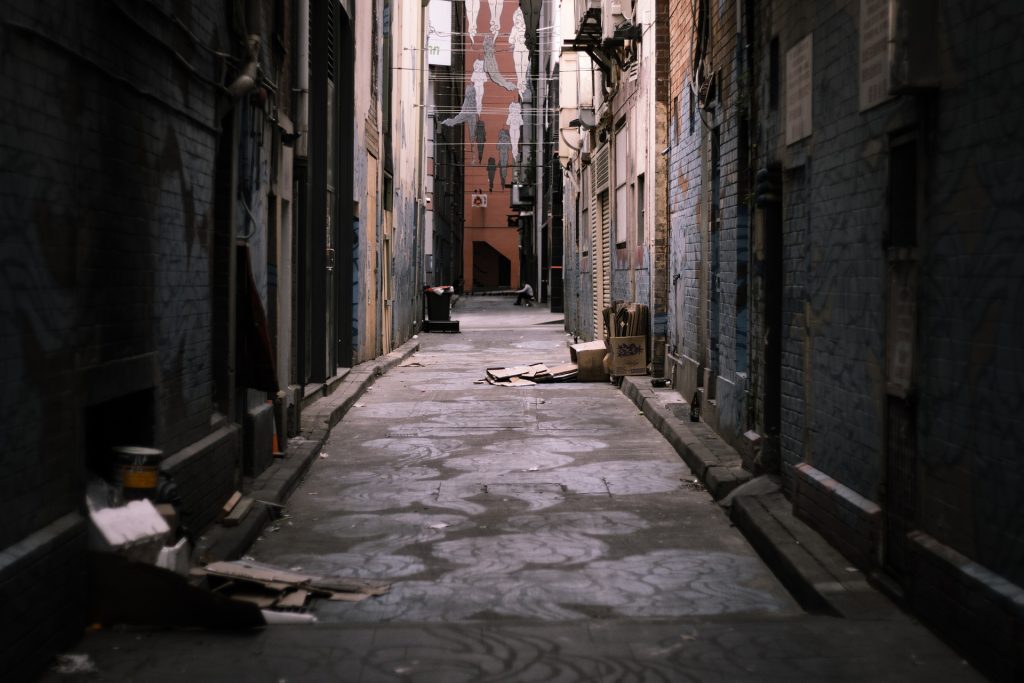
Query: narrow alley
(550, 503)
(543, 533)
(512, 340)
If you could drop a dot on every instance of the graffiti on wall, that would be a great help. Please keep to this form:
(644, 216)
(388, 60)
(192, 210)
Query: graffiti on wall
(491, 66)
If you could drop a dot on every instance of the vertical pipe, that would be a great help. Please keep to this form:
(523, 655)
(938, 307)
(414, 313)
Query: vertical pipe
(539, 96)
(232, 406)
(302, 81)
(419, 250)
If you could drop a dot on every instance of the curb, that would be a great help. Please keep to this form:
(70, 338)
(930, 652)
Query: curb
(818, 576)
(273, 487)
(820, 579)
(717, 465)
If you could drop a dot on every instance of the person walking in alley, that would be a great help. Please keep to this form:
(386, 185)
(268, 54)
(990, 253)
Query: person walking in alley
(524, 294)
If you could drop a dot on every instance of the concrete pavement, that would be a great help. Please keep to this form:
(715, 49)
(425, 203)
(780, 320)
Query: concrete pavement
(535, 534)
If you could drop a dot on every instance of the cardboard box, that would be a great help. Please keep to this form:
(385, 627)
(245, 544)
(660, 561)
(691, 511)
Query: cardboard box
(628, 356)
(136, 531)
(589, 359)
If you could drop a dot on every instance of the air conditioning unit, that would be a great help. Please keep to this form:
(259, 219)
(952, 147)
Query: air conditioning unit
(522, 195)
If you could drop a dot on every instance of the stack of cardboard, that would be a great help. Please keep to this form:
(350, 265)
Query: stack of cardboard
(528, 375)
(589, 357)
(627, 326)
(273, 587)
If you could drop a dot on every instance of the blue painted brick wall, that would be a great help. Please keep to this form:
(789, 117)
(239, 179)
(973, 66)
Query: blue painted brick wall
(106, 176)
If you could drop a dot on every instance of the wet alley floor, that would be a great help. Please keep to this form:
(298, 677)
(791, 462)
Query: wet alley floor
(543, 533)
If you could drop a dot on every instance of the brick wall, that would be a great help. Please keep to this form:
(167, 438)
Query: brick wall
(964, 468)
(206, 474)
(106, 164)
(971, 376)
(846, 519)
(708, 315)
(42, 587)
(684, 182)
(834, 262)
(975, 608)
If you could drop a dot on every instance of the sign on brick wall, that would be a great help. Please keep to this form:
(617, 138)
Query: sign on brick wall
(439, 33)
(874, 52)
(798, 90)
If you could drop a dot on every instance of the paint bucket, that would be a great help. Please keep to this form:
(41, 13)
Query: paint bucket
(137, 471)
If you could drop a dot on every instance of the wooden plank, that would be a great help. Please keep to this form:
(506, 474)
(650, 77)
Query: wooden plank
(348, 597)
(258, 599)
(281, 579)
(239, 512)
(294, 600)
(231, 503)
(350, 585)
(254, 571)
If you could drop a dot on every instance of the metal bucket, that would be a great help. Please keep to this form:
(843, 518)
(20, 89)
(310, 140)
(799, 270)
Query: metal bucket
(137, 471)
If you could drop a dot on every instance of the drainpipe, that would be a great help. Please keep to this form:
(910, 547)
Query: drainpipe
(300, 198)
(421, 210)
(302, 78)
(539, 95)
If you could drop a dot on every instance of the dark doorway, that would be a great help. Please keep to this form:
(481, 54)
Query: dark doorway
(491, 269)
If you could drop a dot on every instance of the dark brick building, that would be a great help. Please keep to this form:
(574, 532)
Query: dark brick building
(154, 253)
(845, 242)
(111, 125)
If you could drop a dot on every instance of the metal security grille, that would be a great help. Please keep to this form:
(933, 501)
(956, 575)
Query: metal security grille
(601, 170)
(602, 259)
(900, 483)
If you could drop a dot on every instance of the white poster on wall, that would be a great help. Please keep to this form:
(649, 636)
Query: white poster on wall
(874, 52)
(799, 70)
(439, 33)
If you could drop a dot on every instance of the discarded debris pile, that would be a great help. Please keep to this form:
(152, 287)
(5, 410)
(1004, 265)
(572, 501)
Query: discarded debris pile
(274, 588)
(529, 375)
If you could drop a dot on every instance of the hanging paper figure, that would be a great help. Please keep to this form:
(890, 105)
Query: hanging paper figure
(468, 113)
(495, 15)
(491, 65)
(515, 124)
(491, 167)
(480, 136)
(479, 78)
(472, 9)
(504, 147)
(520, 54)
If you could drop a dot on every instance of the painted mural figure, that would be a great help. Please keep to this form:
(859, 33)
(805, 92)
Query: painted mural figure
(480, 137)
(479, 78)
(468, 113)
(491, 65)
(492, 166)
(520, 53)
(504, 146)
(515, 124)
(472, 10)
(495, 6)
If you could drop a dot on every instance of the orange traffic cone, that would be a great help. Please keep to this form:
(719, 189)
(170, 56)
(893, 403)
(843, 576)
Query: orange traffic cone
(277, 449)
